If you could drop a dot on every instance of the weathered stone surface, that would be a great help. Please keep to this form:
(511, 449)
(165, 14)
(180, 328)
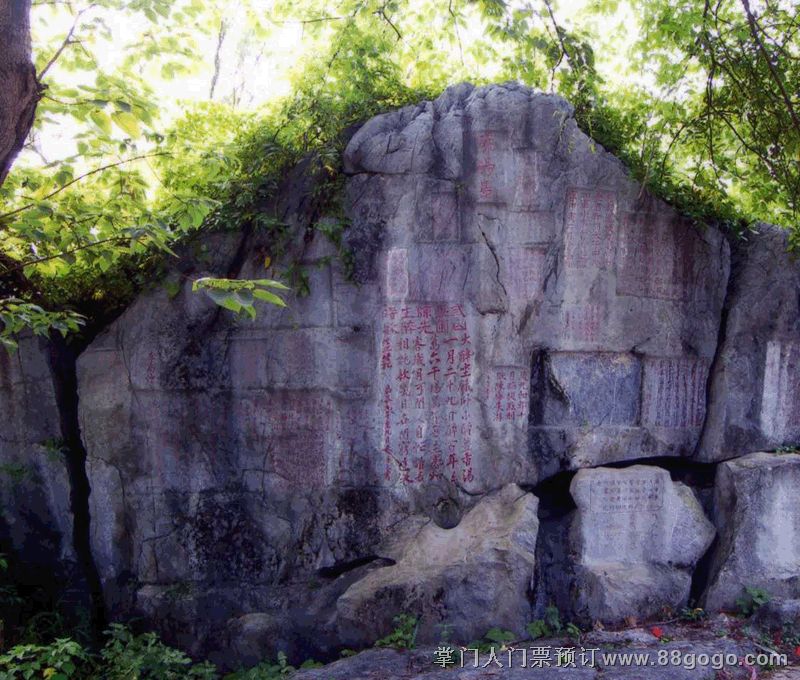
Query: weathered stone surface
(758, 521)
(472, 577)
(635, 537)
(522, 308)
(778, 613)
(755, 392)
(35, 518)
(697, 655)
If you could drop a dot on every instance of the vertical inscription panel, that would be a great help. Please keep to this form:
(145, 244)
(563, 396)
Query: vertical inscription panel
(397, 274)
(506, 392)
(526, 181)
(287, 433)
(445, 218)
(655, 257)
(783, 550)
(674, 393)
(524, 270)
(487, 170)
(780, 400)
(426, 368)
(354, 461)
(589, 225)
(582, 323)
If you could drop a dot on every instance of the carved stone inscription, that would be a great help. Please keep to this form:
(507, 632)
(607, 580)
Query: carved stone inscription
(526, 268)
(506, 390)
(486, 167)
(655, 258)
(627, 507)
(397, 274)
(426, 365)
(291, 428)
(627, 494)
(589, 222)
(780, 401)
(674, 392)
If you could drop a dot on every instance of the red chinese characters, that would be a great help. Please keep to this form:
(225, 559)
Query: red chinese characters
(427, 362)
(674, 392)
(589, 224)
(507, 391)
(485, 166)
(656, 257)
(291, 428)
(397, 274)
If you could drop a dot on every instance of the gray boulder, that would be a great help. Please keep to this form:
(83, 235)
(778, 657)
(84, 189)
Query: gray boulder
(470, 578)
(758, 520)
(635, 538)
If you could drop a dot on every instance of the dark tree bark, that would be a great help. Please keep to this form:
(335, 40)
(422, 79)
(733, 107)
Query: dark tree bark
(19, 88)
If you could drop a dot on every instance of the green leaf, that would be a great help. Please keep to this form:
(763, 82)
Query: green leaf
(102, 120)
(266, 296)
(172, 288)
(224, 299)
(128, 123)
(270, 283)
(244, 297)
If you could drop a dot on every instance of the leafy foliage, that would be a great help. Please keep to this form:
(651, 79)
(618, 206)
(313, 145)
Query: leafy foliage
(404, 636)
(125, 656)
(751, 600)
(144, 656)
(60, 660)
(239, 296)
(494, 637)
(548, 626)
(711, 126)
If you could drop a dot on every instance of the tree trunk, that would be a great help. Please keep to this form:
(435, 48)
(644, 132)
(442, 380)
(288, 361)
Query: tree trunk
(19, 89)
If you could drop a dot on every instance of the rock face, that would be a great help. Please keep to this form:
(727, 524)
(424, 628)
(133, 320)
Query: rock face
(35, 524)
(755, 391)
(514, 311)
(636, 536)
(469, 578)
(516, 306)
(758, 519)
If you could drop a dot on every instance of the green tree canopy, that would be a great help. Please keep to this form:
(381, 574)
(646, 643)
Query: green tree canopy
(699, 98)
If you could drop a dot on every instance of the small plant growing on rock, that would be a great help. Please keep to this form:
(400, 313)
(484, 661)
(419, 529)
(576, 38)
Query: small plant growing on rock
(752, 599)
(574, 632)
(494, 637)
(445, 631)
(690, 615)
(267, 670)
(548, 626)
(404, 636)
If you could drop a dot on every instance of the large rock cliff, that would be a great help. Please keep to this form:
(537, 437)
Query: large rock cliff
(517, 309)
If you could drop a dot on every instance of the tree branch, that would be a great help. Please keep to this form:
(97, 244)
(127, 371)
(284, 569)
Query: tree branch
(39, 260)
(23, 208)
(67, 42)
(755, 31)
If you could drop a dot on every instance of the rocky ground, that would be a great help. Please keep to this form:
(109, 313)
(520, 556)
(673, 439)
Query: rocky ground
(717, 649)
